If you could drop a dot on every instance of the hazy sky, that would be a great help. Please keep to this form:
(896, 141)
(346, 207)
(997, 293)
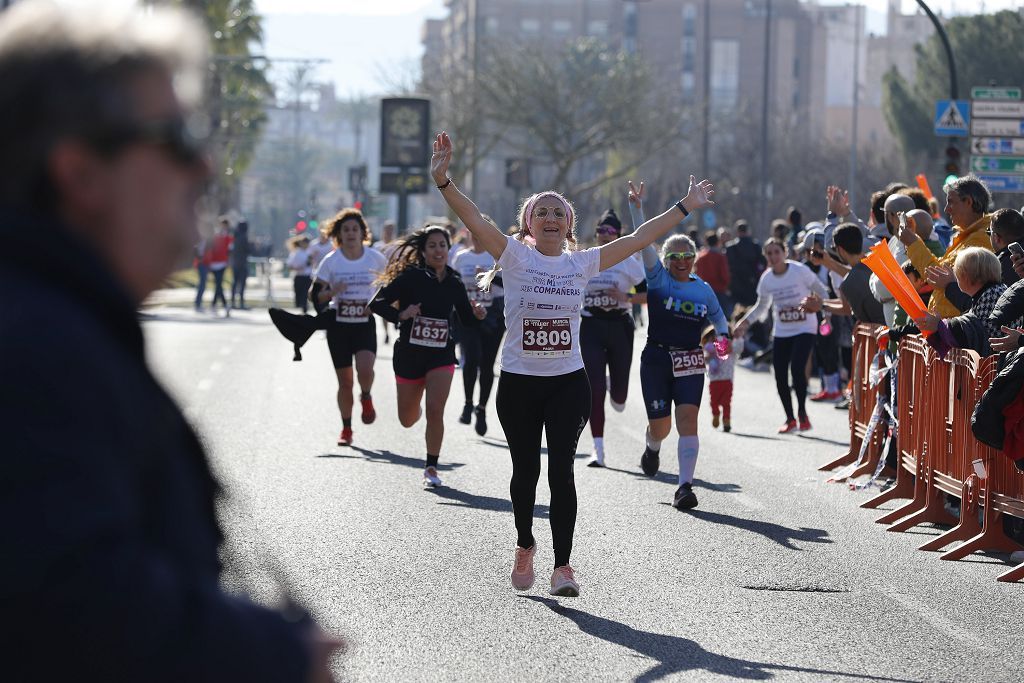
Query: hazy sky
(362, 37)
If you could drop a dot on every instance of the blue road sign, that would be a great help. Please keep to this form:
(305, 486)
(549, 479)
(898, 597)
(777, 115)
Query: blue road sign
(1002, 182)
(952, 118)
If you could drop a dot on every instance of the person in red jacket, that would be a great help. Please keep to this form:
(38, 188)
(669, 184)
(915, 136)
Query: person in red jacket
(712, 266)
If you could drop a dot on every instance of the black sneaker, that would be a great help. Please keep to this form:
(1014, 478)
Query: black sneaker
(467, 414)
(481, 421)
(649, 462)
(684, 498)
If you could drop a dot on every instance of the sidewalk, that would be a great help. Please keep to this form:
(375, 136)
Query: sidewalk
(257, 294)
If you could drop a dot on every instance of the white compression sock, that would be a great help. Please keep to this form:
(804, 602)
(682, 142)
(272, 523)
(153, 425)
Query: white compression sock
(652, 443)
(687, 451)
(619, 407)
(599, 448)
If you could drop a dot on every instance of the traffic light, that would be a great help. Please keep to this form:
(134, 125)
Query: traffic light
(300, 226)
(358, 206)
(952, 163)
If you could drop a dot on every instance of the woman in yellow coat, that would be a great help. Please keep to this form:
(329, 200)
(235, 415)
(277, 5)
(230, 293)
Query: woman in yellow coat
(967, 205)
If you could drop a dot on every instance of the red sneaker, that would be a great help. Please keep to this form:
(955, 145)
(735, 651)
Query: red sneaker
(805, 424)
(790, 426)
(369, 414)
(345, 438)
(826, 396)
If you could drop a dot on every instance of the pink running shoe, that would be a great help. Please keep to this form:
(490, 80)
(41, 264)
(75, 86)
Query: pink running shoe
(563, 582)
(522, 570)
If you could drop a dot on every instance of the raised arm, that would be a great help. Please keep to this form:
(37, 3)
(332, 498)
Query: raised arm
(698, 197)
(636, 214)
(488, 236)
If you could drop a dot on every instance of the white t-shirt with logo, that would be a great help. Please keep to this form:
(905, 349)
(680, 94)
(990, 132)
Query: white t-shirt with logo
(358, 275)
(785, 293)
(543, 298)
(468, 263)
(623, 276)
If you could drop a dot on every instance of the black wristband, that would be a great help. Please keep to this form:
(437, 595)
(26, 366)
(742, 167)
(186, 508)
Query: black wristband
(679, 205)
(441, 187)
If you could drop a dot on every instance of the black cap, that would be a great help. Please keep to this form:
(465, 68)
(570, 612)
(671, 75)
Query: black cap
(610, 218)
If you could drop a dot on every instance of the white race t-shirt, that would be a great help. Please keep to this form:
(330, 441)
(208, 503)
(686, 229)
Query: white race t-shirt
(298, 261)
(786, 292)
(351, 305)
(468, 263)
(623, 276)
(543, 298)
(319, 251)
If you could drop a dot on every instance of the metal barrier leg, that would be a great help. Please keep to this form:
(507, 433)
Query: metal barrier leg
(848, 459)
(991, 538)
(903, 488)
(968, 526)
(1015, 574)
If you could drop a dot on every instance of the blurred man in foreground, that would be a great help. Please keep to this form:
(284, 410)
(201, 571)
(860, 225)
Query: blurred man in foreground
(106, 497)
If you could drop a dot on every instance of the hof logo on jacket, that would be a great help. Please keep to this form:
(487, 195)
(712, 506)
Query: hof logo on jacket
(685, 307)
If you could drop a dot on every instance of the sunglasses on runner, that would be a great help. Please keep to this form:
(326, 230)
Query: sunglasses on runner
(173, 135)
(542, 212)
(606, 230)
(676, 255)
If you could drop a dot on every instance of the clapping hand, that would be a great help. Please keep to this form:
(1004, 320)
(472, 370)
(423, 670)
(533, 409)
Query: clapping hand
(838, 200)
(939, 276)
(907, 230)
(1008, 343)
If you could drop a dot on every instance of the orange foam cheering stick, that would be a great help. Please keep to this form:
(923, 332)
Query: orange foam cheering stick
(922, 182)
(883, 264)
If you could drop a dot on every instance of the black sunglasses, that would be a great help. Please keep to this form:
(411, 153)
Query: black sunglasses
(173, 135)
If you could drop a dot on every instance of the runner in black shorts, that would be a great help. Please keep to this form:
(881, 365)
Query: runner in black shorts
(341, 290)
(427, 292)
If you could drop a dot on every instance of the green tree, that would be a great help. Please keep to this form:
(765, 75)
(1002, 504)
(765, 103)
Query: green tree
(237, 90)
(591, 113)
(986, 48)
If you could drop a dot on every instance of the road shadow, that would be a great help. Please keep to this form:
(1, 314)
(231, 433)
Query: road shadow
(821, 439)
(503, 445)
(762, 437)
(464, 499)
(782, 535)
(673, 480)
(386, 456)
(675, 654)
(199, 319)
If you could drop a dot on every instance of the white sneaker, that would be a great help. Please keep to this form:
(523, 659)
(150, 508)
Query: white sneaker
(595, 461)
(563, 582)
(430, 478)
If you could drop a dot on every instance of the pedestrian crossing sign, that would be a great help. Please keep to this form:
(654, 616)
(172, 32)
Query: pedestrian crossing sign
(952, 118)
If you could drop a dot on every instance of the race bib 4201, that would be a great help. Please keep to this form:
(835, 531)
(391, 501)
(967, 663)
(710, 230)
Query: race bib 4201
(792, 315)
(686, 363)
(547, 337)
(430, 332)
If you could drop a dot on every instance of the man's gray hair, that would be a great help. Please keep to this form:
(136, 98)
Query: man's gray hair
(970, 187)
(65, 73)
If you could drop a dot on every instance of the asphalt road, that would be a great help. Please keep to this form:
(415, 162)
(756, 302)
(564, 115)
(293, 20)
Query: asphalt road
(776, 575)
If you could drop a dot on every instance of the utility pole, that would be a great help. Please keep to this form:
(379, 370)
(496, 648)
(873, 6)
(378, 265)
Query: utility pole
(706, 86)
(852, 187)
(765, 111)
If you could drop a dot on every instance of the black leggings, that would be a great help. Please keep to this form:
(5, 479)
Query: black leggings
(302, 285)
(239, 273)
(790, 354)
(826, 352)
(606, 342)
(479, 350)
(558, 406)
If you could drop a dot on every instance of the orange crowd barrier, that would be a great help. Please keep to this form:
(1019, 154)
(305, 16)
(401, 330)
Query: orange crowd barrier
(862, 406)
(939, 456)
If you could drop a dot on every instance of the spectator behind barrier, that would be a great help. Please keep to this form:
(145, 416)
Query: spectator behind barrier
(977, 273)
(967, 200)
